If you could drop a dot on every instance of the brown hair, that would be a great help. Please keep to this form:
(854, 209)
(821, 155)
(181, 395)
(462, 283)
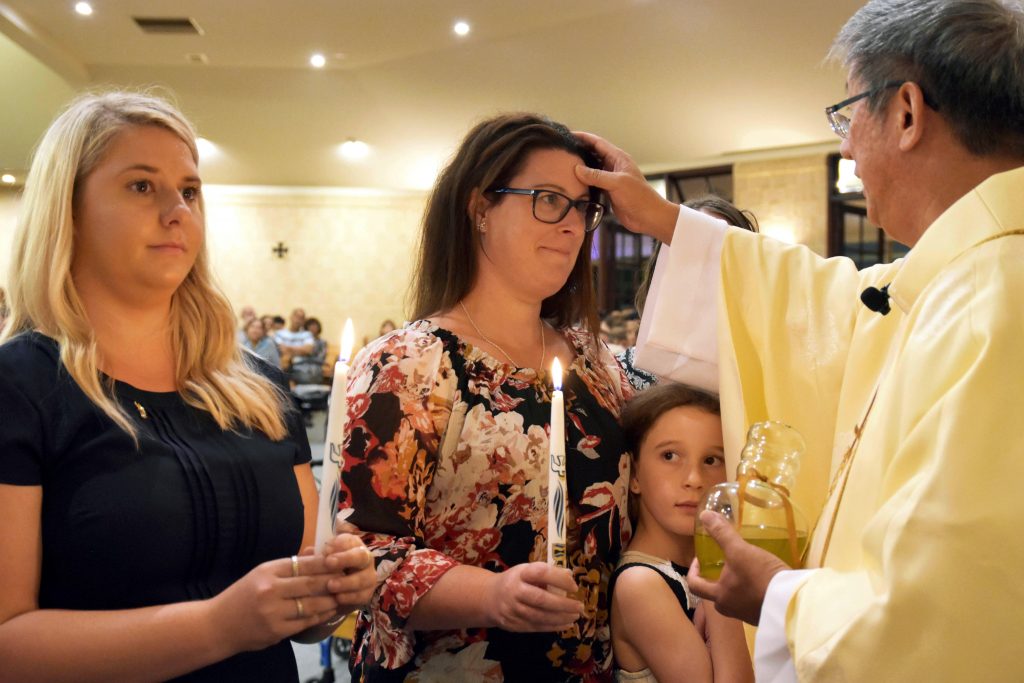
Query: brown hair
(491, 154)
(640, 414)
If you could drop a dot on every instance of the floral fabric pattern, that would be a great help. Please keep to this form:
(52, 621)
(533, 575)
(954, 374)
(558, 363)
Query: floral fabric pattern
(446, 463)
(640, 379)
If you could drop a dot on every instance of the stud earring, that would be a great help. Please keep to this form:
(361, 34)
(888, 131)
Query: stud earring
(634, 486)
(482, 225)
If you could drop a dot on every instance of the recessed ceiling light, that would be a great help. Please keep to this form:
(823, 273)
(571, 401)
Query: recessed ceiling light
(83, 8)
(207, 150)
(354, 150)
(461, 28)
(317, 61)
(8, 178)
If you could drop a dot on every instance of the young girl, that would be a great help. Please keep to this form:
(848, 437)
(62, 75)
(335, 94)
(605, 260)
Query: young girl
(659, 632)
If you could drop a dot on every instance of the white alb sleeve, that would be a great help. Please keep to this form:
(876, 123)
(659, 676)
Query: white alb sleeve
(678, 337)
(773, 662)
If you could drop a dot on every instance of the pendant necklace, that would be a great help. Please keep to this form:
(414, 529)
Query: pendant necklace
(543, 340)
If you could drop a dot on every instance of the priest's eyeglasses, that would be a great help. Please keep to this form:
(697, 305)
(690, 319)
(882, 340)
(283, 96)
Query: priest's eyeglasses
(551, 207)
(840, 122)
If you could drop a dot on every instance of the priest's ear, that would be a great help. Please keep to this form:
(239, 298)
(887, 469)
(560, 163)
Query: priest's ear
(911, 109)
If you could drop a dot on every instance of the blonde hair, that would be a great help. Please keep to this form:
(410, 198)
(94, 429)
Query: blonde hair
(210, 371)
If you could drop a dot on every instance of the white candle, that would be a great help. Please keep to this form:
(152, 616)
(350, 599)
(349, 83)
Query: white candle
(337, 416)
(557, 502)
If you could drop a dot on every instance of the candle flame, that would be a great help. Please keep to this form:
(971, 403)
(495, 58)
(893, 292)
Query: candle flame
(348, 339)
(556, 374)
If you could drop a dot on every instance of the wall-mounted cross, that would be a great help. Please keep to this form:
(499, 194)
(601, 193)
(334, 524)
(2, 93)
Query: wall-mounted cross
(280, 250)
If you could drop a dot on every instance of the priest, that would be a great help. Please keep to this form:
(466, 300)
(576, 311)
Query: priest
(906, 379)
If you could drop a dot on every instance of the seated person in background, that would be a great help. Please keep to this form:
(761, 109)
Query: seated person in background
(660, 631)
(153, 482)
(247, 314)
(385, 327)
(319, 355)
(257, 341)
(617, 338)
(631, 327)
(712, 205)
(296, 343)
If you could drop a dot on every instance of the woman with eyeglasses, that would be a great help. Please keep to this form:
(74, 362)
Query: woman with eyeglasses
(446, 464)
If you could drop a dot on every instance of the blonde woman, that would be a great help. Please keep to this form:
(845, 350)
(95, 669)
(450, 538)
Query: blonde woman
(152, 483)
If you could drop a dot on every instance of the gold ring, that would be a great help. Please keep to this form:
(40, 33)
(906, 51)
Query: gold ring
(299, 609)
(295, 565)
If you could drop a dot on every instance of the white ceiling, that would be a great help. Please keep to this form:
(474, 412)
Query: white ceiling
(678, 83)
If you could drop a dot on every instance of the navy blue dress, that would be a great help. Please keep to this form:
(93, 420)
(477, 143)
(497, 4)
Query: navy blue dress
(179, 518)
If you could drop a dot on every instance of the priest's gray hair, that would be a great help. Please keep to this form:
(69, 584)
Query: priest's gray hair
(966, 55)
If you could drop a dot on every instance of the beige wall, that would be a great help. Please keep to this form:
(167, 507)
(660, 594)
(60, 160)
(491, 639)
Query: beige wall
(8, 217)
(350, 252)
(789, 197)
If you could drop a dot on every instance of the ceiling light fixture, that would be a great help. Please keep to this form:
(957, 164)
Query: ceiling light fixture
(354, 150)
(317, 61)
(461, 28)
(83, 8)
(207, 150)
(7, 178)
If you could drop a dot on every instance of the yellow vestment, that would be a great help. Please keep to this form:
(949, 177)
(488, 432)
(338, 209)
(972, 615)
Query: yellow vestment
(920, 577)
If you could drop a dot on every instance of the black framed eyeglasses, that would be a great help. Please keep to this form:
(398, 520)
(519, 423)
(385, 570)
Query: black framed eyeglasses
(551, 207)
(840, 122)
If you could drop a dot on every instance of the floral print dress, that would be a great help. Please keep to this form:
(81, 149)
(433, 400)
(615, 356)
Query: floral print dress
(446, 463)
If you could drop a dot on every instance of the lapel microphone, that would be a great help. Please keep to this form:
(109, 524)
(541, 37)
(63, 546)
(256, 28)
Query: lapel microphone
(876, 299)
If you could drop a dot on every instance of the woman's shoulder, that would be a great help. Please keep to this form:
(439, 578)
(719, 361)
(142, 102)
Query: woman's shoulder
(413, 339)
(417, 349)
(600, 370)
(30, 359)
(589, 346)
(581, 338)
(33, 382)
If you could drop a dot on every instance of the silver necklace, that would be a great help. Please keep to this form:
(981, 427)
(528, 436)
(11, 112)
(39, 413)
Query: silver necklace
(543, 340)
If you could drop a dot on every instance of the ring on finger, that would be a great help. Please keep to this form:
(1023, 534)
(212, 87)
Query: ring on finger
(300, 611)
(295, 565)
